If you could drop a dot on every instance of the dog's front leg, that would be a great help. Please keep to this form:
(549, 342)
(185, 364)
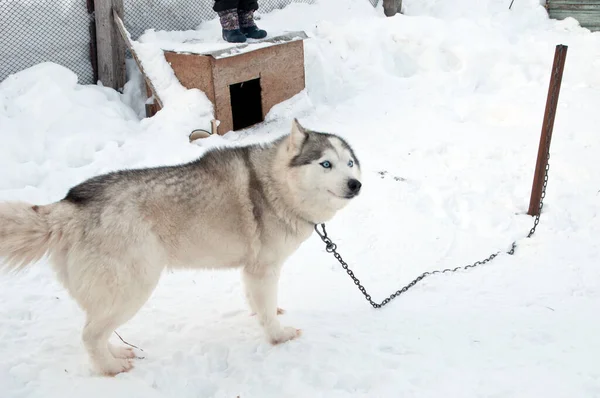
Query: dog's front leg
(261, 292)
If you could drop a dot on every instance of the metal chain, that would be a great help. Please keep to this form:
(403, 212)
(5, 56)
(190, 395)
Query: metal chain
(331, 247)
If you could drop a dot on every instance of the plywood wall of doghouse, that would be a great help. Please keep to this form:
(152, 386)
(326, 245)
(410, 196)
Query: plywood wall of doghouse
(281, 72)
(280, 68)
(193, 71)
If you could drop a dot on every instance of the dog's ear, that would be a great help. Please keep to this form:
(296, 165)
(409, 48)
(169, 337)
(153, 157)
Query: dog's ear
(297, 137)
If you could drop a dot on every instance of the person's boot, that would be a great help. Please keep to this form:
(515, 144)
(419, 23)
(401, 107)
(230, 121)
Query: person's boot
(248, 27)
(231, 26)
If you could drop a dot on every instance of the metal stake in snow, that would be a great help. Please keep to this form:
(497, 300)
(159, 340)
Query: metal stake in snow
(537, 195)
(540, 178)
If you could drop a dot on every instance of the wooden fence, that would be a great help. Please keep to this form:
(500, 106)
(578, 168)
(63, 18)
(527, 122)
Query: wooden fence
(587, 12)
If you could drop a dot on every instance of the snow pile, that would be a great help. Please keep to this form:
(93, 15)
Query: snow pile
(444, 106)
(54, 130)
(172, 94)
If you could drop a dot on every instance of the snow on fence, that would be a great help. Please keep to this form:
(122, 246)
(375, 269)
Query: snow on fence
(68, 32)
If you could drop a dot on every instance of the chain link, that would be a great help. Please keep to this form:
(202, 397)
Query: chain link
(331, 247)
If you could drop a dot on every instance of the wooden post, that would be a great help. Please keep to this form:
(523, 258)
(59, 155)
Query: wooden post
(560, 55)
(392, 7)
(93, 42)
(110, 47)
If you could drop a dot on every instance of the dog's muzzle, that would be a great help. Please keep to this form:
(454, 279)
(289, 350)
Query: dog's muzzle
(353, 188)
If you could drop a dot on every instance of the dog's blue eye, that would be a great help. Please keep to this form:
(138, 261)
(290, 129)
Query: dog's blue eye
(350, 163)
(326, 164)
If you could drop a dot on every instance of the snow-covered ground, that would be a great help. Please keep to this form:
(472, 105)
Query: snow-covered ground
(449, 98)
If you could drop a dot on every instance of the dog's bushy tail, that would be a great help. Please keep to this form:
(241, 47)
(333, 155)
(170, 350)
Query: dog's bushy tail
(25, 234)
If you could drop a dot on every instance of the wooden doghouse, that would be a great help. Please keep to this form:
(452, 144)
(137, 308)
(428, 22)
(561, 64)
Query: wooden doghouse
(245, 81)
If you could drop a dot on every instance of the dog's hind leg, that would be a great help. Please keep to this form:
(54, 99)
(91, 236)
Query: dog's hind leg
(102, 321)
(95, 337)
(110, 298)
(261, 292)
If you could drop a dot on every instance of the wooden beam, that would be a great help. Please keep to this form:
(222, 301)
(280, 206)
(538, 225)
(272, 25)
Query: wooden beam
(93, 41)
(125, 36)
(392, 7)
(110, 47)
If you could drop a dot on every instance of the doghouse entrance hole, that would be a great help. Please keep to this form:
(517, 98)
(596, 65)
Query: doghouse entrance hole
(246, 103)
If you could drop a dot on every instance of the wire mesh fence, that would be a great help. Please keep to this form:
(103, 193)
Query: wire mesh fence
(61, 31)
(173, 15)
(35, 31)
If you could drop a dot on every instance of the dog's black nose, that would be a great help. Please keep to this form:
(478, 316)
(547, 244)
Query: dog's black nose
(354, 185)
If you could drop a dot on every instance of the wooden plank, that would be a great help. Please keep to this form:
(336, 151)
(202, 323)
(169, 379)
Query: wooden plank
(592, 8)
(120, 27)
(110, 48)
(587, 13)
(579, 14)
(590, 21)
(391, 7)
(193, 71)
(575, 3)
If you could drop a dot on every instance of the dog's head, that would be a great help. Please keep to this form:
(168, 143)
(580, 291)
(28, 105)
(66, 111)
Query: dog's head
(324, 170)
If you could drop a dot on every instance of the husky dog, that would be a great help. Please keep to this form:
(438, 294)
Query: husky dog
(250, 207)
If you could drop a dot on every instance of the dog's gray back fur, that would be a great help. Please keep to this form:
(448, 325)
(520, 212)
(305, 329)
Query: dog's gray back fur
(201, 183)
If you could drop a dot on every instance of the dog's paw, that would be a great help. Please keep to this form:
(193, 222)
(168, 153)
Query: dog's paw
(121, 352)
(116, 366)
(285, 334)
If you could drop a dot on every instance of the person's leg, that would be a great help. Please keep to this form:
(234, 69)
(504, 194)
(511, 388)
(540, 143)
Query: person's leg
(248, 27)
(228, 16)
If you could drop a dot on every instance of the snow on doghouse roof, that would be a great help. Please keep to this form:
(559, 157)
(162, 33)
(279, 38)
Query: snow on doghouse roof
(185, 42)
